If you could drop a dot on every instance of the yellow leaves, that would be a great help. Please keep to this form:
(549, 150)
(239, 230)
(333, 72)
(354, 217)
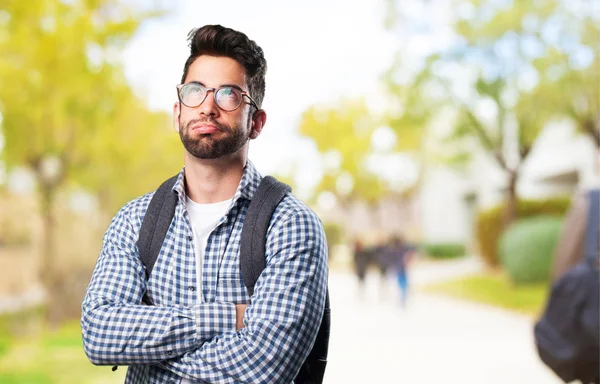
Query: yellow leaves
(55, 102)
(342, 131)
(410, 133)
(348, 135)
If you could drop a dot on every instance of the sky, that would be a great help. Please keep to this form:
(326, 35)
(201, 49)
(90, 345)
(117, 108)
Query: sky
(316, 51)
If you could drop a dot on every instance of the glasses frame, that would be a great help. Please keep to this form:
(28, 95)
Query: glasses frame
(214, 91)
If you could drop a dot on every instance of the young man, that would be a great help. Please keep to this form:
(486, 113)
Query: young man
(202, 326)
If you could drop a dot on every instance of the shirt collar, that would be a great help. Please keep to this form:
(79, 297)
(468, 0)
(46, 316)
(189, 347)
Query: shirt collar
(246, 189)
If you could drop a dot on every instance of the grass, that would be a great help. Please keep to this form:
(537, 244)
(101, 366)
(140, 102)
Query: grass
(497, 290)
(52, 357)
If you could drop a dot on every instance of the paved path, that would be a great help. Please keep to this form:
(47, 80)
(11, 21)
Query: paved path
(435, 340)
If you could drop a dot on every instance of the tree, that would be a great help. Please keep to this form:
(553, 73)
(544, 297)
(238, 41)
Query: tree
(342, 134)
(128, 156)
(491, 134)
(555, 42)
(63, 100)
(413, 106)
(532, 62)
(345, 134)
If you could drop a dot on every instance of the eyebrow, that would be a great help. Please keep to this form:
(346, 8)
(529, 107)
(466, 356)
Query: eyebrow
(221, 86)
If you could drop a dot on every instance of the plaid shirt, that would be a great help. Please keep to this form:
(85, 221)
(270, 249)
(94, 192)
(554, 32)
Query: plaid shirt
(178, 336)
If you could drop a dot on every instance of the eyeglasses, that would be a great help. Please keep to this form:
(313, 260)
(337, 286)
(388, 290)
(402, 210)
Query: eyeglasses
(228, 98)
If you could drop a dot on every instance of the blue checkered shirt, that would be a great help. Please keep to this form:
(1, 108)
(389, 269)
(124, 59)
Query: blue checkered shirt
(179, 336)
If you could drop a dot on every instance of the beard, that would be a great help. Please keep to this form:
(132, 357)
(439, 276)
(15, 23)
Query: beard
(209, 147)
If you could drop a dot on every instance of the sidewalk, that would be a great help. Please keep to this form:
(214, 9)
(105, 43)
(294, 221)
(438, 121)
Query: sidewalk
(435, 340)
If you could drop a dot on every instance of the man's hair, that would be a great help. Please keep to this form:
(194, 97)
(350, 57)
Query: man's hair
(217, 40)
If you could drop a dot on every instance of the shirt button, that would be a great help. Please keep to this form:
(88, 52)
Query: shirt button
(169, 353)
(192, 288)
(190, 238)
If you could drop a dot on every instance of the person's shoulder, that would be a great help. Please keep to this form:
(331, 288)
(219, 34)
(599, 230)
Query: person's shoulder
(294, 222)
(293, 208)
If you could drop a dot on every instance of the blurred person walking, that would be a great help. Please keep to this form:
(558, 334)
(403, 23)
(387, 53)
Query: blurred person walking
(401, 255)
(361, 264)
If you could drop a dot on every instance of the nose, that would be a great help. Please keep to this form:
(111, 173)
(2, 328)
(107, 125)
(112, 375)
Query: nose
(208, 106)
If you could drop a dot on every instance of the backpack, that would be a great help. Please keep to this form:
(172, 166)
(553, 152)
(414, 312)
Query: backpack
(269, 194)
(567, 334)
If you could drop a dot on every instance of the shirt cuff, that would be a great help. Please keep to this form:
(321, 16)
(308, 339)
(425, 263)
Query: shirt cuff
(213, 319)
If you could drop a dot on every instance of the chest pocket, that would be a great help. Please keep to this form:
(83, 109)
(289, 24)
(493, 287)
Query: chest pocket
(230, 288)
(230, 285)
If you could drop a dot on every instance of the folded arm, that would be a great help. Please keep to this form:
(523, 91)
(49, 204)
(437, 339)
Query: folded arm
(118, 330)
(283, 318)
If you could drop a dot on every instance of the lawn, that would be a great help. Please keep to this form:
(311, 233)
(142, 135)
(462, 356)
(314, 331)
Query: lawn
(495, 289)
(54, 358)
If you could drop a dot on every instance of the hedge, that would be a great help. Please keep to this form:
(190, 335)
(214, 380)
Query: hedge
(443, 250)
(527, 248)
(489, 223)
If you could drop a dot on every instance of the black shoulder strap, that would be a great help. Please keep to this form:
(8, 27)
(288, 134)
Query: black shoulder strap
(252, 262)
(592, 234)
(267, 197)
(156, 223)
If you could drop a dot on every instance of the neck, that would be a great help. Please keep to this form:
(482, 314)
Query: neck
(213, 180)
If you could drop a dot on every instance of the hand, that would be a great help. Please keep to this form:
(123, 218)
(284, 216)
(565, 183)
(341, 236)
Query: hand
(240, 309)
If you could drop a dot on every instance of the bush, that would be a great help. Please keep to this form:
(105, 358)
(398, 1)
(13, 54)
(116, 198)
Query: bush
(490, 223)
(527, 248)
(443, 250)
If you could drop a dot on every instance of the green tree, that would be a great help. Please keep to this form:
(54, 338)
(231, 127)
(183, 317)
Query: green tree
(359, 150)
(528, 61)
(130, 155)
(555, 42)
(413, 106)
(66, 108)
(342, 134)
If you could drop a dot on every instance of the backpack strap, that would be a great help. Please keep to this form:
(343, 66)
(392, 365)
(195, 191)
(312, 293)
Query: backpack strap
(592, 234)
(267, 197)
(156, 223)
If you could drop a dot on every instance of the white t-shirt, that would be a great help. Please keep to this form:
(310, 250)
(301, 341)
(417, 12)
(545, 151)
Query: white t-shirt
(204, 218)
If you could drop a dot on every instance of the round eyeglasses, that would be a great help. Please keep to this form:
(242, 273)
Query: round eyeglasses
(228, 98)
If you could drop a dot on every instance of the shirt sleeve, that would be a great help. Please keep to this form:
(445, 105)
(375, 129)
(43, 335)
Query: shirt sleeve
(118, 330)
(283, 318)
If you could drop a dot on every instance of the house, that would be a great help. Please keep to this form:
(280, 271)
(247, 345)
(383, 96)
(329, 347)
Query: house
(560, 162)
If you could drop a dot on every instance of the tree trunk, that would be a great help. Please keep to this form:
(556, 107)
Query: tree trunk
(48, 182)
(510, 213)
(48, 272)
(593, 130)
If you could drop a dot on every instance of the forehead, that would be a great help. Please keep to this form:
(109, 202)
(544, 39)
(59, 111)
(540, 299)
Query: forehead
(214, 71)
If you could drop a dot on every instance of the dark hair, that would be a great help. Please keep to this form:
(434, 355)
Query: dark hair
(217, 40)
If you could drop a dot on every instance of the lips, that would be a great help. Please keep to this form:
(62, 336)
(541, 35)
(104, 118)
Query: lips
(205, 128)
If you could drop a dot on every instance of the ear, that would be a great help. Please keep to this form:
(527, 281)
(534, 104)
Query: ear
(259, 119)
(176, 115)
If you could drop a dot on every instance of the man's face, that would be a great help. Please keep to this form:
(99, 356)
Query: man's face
(206, 131)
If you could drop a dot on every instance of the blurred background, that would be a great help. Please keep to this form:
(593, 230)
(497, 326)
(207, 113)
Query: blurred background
(466, 127)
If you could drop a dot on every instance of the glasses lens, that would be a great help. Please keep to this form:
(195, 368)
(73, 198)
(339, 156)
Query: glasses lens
(228, 98)
(192, 94)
